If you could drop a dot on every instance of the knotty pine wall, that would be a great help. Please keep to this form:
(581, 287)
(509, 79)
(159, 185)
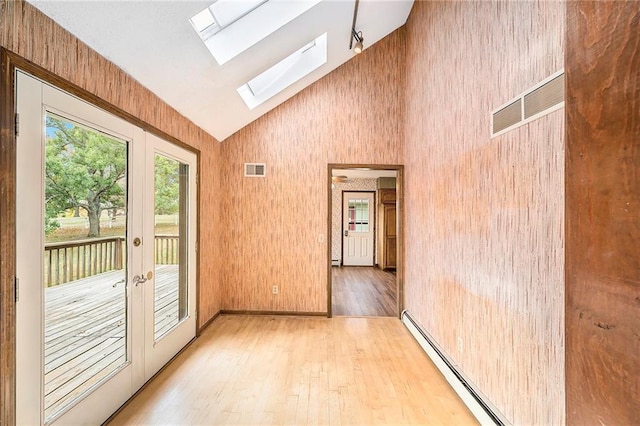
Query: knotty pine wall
(34, 36)
(484, 217)
(271, 226)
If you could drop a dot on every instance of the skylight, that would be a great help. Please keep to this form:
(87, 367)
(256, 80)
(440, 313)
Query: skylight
(286, 72)
(229, 27)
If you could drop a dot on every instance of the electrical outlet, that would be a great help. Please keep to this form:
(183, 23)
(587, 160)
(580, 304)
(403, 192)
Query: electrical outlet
(460, 345)
(274, 289)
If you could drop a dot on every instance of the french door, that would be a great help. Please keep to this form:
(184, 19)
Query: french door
(106, 235)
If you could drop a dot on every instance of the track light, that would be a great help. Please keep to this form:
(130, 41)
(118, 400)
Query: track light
(358, 47)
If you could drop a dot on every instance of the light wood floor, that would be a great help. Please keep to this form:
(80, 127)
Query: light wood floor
(293, 370)
(363, 291)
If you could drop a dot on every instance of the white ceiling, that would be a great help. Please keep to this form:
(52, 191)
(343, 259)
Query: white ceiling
(154, 42)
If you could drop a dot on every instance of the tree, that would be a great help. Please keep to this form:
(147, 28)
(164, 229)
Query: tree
(167, 185)
(84, 169)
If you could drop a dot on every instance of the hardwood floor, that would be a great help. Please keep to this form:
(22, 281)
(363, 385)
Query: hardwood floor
(298, 370)
(363, 291)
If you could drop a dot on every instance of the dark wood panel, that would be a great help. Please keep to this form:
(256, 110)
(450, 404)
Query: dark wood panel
(7, 248)
(603, 213)
(387, 195)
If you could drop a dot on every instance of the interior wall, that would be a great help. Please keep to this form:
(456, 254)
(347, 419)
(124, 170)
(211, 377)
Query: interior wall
(27, 32)
(603, 205)
(353, 185)
(484, 217)
(271, 226)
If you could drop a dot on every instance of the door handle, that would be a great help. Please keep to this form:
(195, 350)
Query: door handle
(346, 232)
(140, 279)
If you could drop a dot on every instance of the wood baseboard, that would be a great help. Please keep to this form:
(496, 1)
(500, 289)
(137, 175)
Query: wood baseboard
(207, 324)
(279, 313)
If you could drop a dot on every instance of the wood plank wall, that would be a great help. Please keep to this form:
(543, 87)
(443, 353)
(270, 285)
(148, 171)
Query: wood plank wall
(271, 226)
(484, 217)
(603, 213)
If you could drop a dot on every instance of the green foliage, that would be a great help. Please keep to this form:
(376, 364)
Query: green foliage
(50, 223)
(84, 169)
(167, 185)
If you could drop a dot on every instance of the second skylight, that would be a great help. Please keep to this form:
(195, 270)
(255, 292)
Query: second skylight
(286, 72)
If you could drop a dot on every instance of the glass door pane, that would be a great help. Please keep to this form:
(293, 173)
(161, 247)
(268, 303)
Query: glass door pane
(85, 293)
(171, 184)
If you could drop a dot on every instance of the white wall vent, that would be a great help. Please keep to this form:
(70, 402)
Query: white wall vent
(540, 100)
(255, 170)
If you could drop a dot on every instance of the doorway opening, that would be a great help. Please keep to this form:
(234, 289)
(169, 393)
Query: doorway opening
(364, 271)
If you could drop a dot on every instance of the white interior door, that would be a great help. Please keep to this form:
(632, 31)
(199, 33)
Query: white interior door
(357, 239)
(83, 213)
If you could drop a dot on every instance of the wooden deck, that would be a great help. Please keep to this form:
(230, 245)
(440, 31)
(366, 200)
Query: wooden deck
(85, 324)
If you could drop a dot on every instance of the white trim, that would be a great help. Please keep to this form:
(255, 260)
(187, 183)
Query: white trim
(523, 120)
(467, 397)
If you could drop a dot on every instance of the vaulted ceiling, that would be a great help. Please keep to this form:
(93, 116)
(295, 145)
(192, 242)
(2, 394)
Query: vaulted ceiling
(156, 43)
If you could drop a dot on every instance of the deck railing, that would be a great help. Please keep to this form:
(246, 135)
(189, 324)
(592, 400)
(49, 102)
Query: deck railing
(74, 260)
(166, 249)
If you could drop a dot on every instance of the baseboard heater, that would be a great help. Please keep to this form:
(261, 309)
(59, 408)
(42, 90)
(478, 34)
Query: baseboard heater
(484, 413)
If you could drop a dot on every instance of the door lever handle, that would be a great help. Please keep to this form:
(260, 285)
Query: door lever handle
(140, 279)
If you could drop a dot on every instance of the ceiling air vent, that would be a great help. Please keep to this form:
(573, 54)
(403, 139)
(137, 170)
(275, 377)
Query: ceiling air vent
(542, 99)
(255, 170)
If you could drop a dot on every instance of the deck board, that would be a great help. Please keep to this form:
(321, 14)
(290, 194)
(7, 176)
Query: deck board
(85, 324)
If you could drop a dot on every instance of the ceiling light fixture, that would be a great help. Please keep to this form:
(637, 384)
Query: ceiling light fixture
(356, 35)
(357, 48)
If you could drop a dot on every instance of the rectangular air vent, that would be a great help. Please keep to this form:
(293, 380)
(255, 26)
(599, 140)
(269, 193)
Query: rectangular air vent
(542, 99)
(255, 170)
(507, 116)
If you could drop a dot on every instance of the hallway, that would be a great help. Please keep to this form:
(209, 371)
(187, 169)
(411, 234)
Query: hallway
(266, 370)
(363, 291)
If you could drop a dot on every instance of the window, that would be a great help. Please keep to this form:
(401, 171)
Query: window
(229, 27)
(286, 72)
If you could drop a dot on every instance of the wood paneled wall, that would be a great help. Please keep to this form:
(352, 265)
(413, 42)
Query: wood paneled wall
(484, 217)
(271, 226)
(603, 213)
